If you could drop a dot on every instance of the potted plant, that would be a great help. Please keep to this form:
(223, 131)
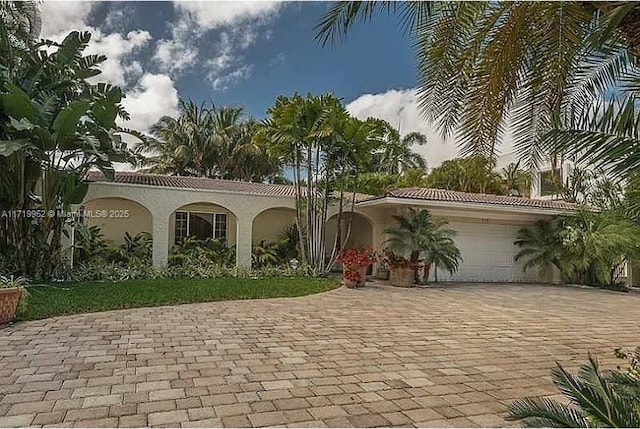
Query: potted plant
(355, 262)
(12, 293)
(383, 272)
(402, 270)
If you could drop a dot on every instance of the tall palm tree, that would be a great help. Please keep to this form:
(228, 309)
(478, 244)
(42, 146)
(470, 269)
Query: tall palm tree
(212, 142)
(536, 66)
(397, 155)
(422, 238)
(517, 182)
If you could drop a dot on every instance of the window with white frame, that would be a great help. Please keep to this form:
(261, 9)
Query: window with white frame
(200, 225)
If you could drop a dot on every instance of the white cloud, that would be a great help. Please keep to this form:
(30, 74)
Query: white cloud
(118, 50)
(209, 15)
(61, 17)
(400, 108)
(229, 79)
(154, 97)
(240, 24)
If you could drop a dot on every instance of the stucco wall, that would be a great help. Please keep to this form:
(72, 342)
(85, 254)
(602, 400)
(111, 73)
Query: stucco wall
(270, 224)
(113, 226)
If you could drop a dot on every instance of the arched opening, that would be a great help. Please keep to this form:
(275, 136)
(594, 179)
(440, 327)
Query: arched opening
(203, 228)
(201, 221)
(116, 216)
(274, 237)
(272, 224)
(361, 232)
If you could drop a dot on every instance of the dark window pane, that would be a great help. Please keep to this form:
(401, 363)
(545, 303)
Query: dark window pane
(180, 226)
(201, 225)
(221, 226)
(550, 183)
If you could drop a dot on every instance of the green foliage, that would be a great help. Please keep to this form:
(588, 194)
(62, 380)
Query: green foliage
(208, 142)
(191, 249)
(54, 127)
(587, 248)
(596, 399)
(473, 174)
(264, 254)
(419, 237)
(544, 69)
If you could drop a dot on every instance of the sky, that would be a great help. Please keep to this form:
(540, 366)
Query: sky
(241, 53)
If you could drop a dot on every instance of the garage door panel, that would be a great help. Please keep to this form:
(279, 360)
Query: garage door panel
(488, 252)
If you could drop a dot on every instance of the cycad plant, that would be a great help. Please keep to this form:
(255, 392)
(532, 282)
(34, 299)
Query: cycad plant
(420, 237)
(596, 399)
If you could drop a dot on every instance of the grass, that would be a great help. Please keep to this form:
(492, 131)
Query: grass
(69, 298)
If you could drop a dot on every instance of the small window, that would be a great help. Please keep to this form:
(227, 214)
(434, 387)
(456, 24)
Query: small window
(200, 225)
(182, 226)
(221, 226)
(550, 182)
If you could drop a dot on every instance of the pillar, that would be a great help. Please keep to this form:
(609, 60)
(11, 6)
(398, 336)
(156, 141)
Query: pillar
(244, 226)
(160, 233)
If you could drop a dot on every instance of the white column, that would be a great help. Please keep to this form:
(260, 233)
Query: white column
(160, 239)
(244, 229)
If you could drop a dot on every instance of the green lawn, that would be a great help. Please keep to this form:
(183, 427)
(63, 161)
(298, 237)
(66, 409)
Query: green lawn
(68, 298)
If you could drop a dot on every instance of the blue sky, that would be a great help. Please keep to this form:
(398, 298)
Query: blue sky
(245, 54)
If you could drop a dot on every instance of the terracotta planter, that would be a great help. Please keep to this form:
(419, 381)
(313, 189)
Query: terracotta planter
(383, 273)
(361, 270)
(9, 300)
(402, 277)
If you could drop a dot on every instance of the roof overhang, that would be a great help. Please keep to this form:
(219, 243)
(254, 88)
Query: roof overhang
(484, 207)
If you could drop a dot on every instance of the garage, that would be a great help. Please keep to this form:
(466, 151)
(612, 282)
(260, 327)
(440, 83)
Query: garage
(488, 252)
(486, 226)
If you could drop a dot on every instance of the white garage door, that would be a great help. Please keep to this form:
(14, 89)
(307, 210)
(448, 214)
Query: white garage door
(487, 252)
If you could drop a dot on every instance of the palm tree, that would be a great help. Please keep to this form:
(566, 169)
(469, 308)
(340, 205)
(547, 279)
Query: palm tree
(472, 174)
(208, 142)
(516, 182)
(422, 238)
(596, 400)
(537, 65)
(541, 245)
(397, 155)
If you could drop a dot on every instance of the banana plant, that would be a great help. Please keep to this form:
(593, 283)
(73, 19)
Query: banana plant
(55, 125)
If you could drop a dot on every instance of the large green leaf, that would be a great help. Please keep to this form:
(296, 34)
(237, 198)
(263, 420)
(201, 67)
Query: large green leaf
(66, 123)
(72, 47)
(7, 147)
(75, 191)
(105, 112)
(18, 105)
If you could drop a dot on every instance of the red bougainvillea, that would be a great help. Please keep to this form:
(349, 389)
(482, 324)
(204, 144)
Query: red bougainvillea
(358, 256)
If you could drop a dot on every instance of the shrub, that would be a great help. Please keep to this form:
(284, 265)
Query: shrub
(191, 249)
(596, 399)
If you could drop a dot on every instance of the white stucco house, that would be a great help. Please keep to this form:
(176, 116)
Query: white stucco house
(242, 213)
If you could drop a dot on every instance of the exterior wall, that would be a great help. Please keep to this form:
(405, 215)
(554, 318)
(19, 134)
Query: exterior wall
(113, 226)
(163, 202)
(270, 224)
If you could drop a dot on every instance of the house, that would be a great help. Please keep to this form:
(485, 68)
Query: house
(171, 207)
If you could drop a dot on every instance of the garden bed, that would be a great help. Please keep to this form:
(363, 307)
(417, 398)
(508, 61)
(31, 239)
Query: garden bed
(56, 299)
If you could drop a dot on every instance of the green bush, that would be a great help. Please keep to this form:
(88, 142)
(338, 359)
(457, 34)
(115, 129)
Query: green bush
(190, 250)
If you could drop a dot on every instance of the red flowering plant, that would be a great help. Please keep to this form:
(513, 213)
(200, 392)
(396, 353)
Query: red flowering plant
(358, 256)
(394, 261)
(353, 262)
(351, 276)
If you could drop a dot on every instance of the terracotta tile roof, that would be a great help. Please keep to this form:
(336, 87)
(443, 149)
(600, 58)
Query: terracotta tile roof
(202, 183)
(465, 197)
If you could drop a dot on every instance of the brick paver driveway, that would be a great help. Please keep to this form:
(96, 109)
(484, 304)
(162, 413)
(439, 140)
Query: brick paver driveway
(376, 356)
